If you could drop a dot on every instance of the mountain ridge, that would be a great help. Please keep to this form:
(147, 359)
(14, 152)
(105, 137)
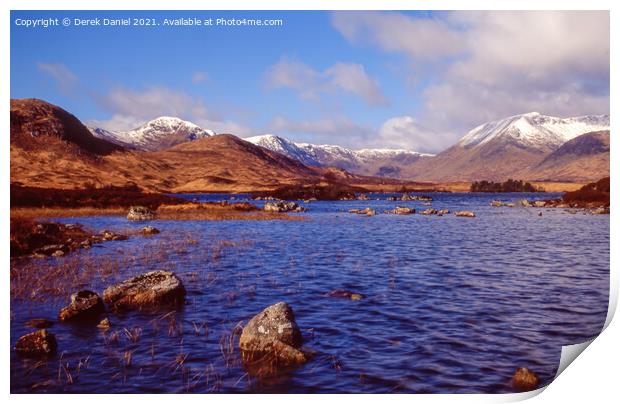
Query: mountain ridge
(157, 134)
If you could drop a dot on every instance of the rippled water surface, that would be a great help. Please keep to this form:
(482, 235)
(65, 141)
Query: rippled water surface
(452, 305)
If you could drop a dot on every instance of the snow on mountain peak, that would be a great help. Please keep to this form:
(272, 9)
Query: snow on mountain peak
(159, 133)
(534, 130)
(325, 154)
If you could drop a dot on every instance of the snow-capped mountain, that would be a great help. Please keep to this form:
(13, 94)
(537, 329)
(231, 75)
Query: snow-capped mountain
(507, 148)
(158, 134)
(284, 146)
(382, 162)
(534, 130)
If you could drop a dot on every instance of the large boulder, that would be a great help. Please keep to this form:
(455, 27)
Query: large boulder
(275, 334)
(525, 380)
(140, 213)
(85, 306)
(149, 290)
(38, 343)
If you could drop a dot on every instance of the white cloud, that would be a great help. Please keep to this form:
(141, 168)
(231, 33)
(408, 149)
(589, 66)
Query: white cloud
(489, 65)
(406, 132)
(337, 130)
(310, 84)
(394, 32)
(131, 108)
(64, 77)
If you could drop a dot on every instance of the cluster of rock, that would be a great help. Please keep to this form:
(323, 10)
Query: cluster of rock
(559, 203)
(438, 212)
(140, 213)
(266, 198)
(400, 210)
(149, 290)
(59, 250)
(365, 211)
(269, 341)
(409, 197)
(282, 206)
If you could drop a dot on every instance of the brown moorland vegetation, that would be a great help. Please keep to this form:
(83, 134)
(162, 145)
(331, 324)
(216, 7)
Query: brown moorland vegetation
(594, 193)
(89, 196)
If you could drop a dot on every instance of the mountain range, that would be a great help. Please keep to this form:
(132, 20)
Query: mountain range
(49, 146)
(372, 162)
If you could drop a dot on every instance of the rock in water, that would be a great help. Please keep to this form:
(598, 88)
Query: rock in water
(400, 210)
(104, 324)
(38, 343)
(139, 213)
(148, 290)
(345, 294)
(85, 306)
(465, 213)
(148, 230)
(273, 333)
(282, 206)
(525, 380)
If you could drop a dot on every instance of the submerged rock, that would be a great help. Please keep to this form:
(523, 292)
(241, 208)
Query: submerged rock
(85, 306)
(38, 343)
(525, 380)
(139, 213)
(282, 206)
(346, 294)
(273, 333)
(107, 235)
(465, 213)
(149, 230)
(39, 323)
(151, 289)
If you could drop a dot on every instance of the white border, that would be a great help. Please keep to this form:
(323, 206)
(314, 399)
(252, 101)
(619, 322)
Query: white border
(593, 377)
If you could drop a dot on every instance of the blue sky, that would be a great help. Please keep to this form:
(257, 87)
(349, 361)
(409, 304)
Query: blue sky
(378, 79)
